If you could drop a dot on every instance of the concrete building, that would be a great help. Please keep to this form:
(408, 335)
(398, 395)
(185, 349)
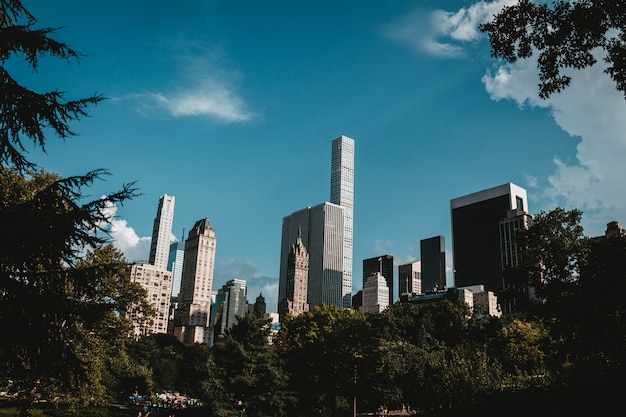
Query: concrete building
(433, 257)
(375, 294)
(342, 194)
(196, 293)
(158, 284)
(410, 278)
(321, 231)
(162, 232)
(295, 300)
(230, 303)
(384, 265)
(482, 302)
(476, 234)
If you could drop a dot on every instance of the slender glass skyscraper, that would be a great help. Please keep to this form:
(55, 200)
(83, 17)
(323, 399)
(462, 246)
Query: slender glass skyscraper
(161, 232)
(342, 194)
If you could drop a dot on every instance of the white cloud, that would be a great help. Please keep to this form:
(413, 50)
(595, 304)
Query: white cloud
(439, 32)
(202, 87)
(124, 237)
(592, 111)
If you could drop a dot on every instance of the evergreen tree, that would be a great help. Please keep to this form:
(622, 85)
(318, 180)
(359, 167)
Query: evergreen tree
(61, 289)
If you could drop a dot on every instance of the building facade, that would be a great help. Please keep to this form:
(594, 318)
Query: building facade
(375, 294)
(342, 194)
(158, 284)
(433, 257)
(230, 302)
(410, 279)
(384, 265)
(175, 265)
(321, 231)
(476, 234)
(295, 300)
(196, 289)
(162, 232)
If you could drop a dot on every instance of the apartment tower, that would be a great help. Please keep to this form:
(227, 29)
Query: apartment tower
(375, 294)
(342, 194)
(326, 232)
(162, 232)
(194, 300)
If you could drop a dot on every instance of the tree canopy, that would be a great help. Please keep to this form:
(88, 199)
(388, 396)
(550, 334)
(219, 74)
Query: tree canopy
(565, 35)
(63, 287)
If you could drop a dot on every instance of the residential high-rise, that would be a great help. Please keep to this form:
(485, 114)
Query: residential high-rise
(382, 264)
(194, 300)
(175, 264)
(410, 278)
(476, 234)
(327, 234)
(154, 276)
(158, 284)
(231, 302)
(295, 300)
(375, 294)
(433, 257)
(342, 194)
(321, 231)
(162, 232)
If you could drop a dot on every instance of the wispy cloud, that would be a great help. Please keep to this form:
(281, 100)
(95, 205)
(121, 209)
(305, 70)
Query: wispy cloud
(441, 33)
(204, 85)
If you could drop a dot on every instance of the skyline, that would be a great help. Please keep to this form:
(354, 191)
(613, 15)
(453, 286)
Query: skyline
(232, 109)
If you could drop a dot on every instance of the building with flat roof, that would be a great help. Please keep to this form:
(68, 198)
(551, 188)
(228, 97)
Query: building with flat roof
(162, 232)
(410, 278)
(433, 257)
(476, 234)
(158, 284)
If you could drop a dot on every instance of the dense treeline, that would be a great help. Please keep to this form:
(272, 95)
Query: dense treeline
(562, 355)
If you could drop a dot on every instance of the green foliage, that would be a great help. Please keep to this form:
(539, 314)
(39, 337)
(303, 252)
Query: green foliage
(249, 373)
(565, 36)
(61, 287)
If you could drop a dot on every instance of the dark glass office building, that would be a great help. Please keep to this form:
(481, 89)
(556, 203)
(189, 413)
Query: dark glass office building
(433, 253)
(476, 234)
(384, 265)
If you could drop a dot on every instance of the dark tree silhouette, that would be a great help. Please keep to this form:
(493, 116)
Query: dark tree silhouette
(565, 34)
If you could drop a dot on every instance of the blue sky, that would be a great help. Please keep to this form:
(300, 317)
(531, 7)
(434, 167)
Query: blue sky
(231, 107)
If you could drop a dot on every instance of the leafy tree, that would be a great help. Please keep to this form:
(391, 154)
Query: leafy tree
(554, 249)
(61, 289)
(249, 372)
(565, 34)
(325, 349)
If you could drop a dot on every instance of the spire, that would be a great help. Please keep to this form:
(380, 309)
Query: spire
(299, 239)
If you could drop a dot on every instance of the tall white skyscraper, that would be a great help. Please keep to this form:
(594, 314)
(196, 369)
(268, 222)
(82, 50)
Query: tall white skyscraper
(326, 231)
(162, 232)
(342, 194)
